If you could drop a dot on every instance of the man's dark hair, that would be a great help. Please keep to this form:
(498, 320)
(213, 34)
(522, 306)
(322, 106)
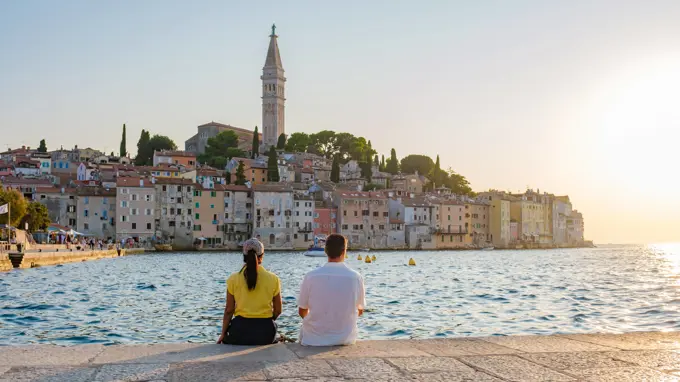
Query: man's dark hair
(335, 245)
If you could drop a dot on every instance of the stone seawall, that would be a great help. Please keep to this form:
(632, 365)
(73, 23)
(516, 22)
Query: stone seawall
(34, 259)
(651, 356)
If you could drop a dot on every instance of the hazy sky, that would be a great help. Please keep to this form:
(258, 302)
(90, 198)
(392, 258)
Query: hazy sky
(570, 97)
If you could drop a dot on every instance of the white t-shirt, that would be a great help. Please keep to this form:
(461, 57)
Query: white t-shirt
(333, 294)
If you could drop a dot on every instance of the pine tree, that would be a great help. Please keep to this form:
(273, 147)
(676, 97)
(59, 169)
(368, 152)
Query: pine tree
(281, 143)
(240, 174)
(273, 165)
(256, 143)
(335, 170)
(123, 149)
(43, 146)
(392, 165)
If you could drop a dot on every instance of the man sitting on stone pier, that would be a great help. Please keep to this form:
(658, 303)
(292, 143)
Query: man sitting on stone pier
(332, 297)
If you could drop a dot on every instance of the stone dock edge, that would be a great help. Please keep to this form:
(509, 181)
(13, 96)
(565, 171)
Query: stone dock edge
(39, 259)
(637, 356)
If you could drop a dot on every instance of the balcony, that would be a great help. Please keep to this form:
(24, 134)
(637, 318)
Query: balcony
(305, 229)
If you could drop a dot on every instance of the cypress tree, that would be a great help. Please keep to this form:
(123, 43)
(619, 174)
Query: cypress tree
(281, 143)
(335, 170)
(240, 174)
(376, 161)
(392, 165)
(123, 149)
(382, 163)
(256, 143)
(273, 165)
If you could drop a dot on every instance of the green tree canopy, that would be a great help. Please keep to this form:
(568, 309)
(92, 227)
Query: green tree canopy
(143, 154)
(392, 165)
(281, 143)
(256, 144)
(376, 162)
(273, 165)
(147, 145)
(37, 217)
(420, 163)
(18, 206)
(43, 146)
(240, 174)
(123, 149)
(458, 183)
(382, 163)
(298, 143)
(220, 149)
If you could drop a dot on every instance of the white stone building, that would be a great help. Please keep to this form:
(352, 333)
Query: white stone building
(303, 220)
(273, 215)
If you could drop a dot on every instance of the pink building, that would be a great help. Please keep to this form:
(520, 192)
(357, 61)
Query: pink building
(325, 220)
(514, 231)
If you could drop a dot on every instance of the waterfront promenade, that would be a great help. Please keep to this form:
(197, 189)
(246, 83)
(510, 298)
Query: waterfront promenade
(35, 258)
(650, 356)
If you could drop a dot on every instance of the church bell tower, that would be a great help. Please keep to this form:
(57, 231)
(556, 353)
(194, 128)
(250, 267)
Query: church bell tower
(273, 95)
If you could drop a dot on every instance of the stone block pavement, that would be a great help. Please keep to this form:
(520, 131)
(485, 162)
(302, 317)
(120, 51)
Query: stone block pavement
(639, 356)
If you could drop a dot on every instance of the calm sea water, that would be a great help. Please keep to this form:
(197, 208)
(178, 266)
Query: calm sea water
(180, 297)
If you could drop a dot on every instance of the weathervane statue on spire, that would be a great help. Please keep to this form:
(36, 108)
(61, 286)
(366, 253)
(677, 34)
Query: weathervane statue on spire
(273, 29)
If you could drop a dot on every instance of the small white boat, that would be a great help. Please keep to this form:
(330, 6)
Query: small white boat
(315, 252)
(365, 249)
(488, 249)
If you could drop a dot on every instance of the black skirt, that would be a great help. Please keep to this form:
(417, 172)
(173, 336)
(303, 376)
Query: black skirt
(251, 331)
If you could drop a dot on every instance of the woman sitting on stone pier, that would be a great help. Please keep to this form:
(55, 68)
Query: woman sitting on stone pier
(253, 300)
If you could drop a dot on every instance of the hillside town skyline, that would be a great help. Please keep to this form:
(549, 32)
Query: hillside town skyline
(496, 105)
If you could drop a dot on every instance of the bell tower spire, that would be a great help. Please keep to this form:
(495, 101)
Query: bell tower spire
(273, 94)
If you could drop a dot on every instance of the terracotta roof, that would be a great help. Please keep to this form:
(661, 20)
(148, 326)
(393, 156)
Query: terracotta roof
(15, 180)
(232, 187)
(176, 153)
(234, 128)
(272, 187)
(54, 190)
(361, 195)
(133, 181)
(177, 181)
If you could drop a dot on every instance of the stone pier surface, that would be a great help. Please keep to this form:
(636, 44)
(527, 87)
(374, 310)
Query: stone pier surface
(640, 356)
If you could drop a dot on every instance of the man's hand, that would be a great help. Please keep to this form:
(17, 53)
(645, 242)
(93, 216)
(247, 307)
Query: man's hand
(219, 341)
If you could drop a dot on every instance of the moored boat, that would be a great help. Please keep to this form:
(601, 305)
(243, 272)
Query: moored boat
(162, 247)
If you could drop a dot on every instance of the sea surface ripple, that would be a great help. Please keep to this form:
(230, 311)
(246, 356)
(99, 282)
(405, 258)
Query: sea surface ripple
(179, 297)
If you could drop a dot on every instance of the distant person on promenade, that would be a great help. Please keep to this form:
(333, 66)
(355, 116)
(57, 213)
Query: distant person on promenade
(332, 298)
(253, 300)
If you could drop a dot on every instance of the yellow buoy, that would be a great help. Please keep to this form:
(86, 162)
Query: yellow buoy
(367, 259)
(359, 258)
(373, 258)
(411, 261)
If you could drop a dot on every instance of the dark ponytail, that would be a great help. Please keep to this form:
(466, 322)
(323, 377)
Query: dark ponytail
(250, 270)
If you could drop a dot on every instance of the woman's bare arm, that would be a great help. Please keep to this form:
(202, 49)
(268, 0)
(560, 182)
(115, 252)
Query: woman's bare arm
(277, 306)
(229, 309)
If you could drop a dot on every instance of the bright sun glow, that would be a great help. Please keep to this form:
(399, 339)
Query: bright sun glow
(639, 125)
